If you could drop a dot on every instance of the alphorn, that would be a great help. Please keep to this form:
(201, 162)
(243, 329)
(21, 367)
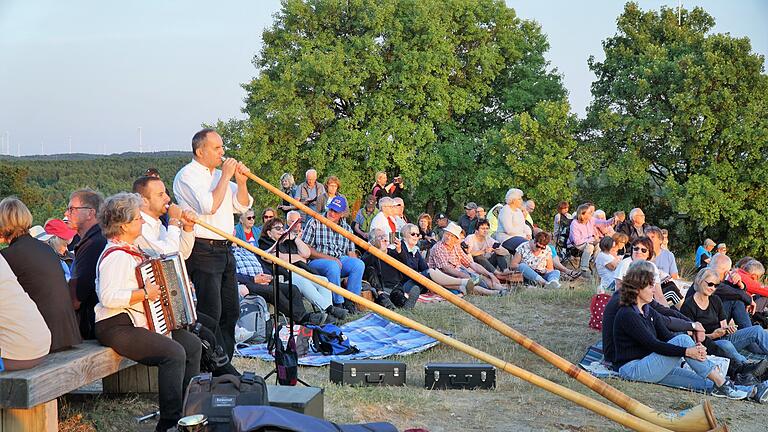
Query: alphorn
(699, 418)
(598, 407)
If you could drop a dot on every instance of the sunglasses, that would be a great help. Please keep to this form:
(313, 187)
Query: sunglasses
(414, 234)
(639, 249)
(278, 227)
(541, 246)
(711, 284)
(250, 217)
(267, 217)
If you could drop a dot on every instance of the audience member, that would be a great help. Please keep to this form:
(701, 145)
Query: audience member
(24, 336)
(665, 238)
(468, 221)
(362, 223)
(245, 229)
(120, 320)
(723, 337)
(647, 351)
(513, 230)
(663, 258)
(751, 271)
(481, 212)
(722, 249)
(582, 235)
(81, 212)
(333, 255)
(441, 222)
(385, 219)
(642, 250)
(737, 303)
(38, 271)
(448, 257)
(427, 237)
(299, 252)
(381, 188)
(309, 191)
(384, 278)
(704, 254)
(605, 264)
(57, 243)
(528, 207)
(288, 186)
(485, 250)
(602, 230)
(562, 219)
(534, 261)
(400, 218)
(635, 226)
(332, 186)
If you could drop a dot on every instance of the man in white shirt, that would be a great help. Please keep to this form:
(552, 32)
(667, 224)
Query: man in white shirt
(200, 187)
(156, 238)
(385, 219)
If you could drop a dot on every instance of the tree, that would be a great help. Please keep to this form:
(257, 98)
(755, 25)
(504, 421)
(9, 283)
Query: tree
(420, 89)
(678, 123)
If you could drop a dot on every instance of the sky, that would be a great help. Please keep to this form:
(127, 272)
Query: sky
(109, 77)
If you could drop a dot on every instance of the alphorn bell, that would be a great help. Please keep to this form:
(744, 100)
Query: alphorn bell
(699, 418)
(598, 407)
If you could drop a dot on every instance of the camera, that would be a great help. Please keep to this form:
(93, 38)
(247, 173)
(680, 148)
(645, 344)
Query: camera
(397, 180)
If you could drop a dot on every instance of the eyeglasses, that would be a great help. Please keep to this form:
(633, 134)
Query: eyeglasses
(278, 227)
(70, 209)
(250, 217)
(382, 239)
(639, 249)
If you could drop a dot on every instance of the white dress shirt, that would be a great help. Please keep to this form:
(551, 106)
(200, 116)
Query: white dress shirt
(156, 237)
(381, 222)
(115, 282)
(193, 189)
(511, 224)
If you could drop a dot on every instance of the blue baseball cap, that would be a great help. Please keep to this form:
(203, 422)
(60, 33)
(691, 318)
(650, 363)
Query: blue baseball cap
(338, 204)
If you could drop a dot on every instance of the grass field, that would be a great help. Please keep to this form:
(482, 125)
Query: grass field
(556, 319)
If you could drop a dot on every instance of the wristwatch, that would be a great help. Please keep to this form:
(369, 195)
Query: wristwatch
(146, 294)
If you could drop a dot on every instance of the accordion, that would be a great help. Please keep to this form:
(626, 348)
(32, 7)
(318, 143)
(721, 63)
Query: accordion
(175, 308)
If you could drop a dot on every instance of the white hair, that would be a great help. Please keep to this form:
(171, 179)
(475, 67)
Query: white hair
(600, 214)
(513, 194)
(310, 171)
(633, 212)
(385, 201)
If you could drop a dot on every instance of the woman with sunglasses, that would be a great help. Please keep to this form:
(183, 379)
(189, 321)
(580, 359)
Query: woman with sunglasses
(299, 252)
(534, 260)
(647, 351)
(641, 250)
(724, 337)
(245, 230)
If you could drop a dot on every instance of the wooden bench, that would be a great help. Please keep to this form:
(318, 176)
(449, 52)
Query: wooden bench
(28, 397)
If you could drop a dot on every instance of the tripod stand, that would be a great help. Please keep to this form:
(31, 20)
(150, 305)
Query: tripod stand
(286, 358)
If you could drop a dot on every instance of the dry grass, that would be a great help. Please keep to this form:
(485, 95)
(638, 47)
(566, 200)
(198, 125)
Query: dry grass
(556, 319)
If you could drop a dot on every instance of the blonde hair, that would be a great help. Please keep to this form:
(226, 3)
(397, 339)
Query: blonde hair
(15, 218)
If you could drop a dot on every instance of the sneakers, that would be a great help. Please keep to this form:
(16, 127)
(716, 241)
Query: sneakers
(729, 391)
(383, 300)
(350, 307)
(761, 394)
(553, 284)
(745, 379)
(758, 369)
(315, 318)
(413, 296)
(337, 312)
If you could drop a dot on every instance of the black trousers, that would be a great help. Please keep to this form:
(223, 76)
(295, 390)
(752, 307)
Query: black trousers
(495, 262)
(178, 359)
(268, 293)
(212, 270)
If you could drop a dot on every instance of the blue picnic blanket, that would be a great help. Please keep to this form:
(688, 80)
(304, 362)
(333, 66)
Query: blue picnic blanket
(374, 336)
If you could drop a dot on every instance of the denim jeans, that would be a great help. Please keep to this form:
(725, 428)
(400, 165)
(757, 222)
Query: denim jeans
(657, 368)
(755, 338)
(212, 270)
(737, 310)
(531, 275)
(351, 268)
(316, 294)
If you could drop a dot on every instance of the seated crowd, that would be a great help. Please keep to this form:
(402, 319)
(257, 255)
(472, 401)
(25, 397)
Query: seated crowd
(75, 278)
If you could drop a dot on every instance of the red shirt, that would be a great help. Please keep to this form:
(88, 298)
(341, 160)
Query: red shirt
(753, 286)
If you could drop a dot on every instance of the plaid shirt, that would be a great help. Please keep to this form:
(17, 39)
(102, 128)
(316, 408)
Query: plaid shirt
(246, 262)
(327, 241)
(441, 256)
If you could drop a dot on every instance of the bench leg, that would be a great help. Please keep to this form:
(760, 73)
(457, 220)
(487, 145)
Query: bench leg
(43, 418)
(135, 379)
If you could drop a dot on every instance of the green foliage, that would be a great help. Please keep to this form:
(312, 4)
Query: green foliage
(44, 185)
(678, 124)
(430, 90)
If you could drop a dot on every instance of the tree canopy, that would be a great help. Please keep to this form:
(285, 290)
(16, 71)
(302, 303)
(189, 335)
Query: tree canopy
(452, 95)
(678, 124)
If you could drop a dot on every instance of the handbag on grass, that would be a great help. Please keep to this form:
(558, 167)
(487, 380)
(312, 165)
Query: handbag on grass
(596, 309)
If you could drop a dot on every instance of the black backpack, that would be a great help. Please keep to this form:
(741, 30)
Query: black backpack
(273, 419)
(216, 397)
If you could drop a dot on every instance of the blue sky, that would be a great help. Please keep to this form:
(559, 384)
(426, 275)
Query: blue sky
(96, 71)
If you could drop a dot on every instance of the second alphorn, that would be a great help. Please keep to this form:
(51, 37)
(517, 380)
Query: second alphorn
(699, 418)
(598, 407)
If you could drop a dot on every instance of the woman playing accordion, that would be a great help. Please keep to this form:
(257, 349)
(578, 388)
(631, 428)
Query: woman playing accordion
(120, 319)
